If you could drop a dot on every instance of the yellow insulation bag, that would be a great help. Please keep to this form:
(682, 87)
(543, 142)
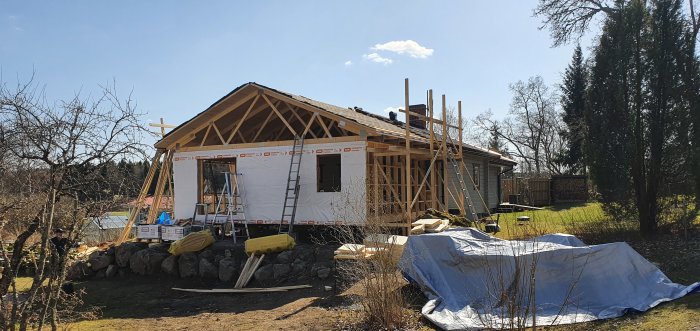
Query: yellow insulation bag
(269, 244)
(193, 242)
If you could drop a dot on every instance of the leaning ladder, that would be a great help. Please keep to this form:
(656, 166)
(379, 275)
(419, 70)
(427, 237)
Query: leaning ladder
(291, 194)
(234, 205)
(462, 185)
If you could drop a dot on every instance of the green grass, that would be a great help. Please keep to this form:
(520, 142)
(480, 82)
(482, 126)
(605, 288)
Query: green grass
(25, 283)
(586, 220)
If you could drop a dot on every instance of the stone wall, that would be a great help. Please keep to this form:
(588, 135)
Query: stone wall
(220, 262)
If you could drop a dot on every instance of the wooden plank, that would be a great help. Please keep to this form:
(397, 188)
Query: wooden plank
(218, 133)
(160, 186)
(425, 178)
(427, 119)
(271, 144)
(461, 155)
(245, 116)
(205, 135)
(396, 196)
(433, 180)
(279, 115)
(350, 125)
(308, 125)
(246, 266)
(444, 149)
(375, 181)
(204, 118)
(245, 290)
(252, 270)
(141, 197)
(407, 138)
(325, 128)
(264, 123)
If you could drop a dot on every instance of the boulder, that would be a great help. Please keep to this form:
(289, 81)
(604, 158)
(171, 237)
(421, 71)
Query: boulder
(123, 272)
(169, 265)
(207, 269)
(325, 253)
(94, 255)
(264, 273)
(79, 270)
(285, 257)
(218, 258)
(207, 254)
(100, 274)
(188, 265)
(305, 253)
(98, 262)
(111, 271)
(227, 269)
(280, 270)
(147, 261)
(299, 266)
(124, 251)
(323, 273)
(163, 247)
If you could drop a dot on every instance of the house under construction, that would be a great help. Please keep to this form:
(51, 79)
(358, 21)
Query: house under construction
(348, 156)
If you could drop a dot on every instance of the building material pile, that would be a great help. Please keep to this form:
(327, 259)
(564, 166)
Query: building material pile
(374, 245)
(430, 225)
(454, 219)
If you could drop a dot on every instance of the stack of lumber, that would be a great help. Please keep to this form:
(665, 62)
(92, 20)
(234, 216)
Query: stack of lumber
(430, 225)
(388, 243)
(355, 252)
(454, 219)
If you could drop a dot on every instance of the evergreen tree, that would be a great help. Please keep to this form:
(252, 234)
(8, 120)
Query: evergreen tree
(606, 114)
(573, 103)
(496, 142)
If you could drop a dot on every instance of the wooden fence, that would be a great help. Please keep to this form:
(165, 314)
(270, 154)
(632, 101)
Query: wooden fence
(544, 191)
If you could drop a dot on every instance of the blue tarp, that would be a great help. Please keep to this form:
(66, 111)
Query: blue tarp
(164, 219)
(475, 281)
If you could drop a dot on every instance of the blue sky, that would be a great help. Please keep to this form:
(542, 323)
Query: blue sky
(178, 57)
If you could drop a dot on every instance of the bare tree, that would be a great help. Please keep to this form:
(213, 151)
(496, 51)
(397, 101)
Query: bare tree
(531, 128)
(53, 166)
(569, 19)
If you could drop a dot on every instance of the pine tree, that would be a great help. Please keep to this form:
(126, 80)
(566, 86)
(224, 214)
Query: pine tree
(606, 114)
(573, 103)
(496, 142)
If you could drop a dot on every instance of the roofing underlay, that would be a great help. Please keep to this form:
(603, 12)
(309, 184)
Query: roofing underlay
(383, 124)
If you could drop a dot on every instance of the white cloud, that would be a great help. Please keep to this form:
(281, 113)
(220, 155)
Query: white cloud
(390, 109)
(409, 47)
(374, 57)
(348, 63)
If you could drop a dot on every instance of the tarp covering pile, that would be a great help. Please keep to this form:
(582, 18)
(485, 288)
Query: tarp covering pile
(475, 281)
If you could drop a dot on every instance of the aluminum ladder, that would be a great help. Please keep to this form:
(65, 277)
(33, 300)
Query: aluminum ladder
(234, 205)
(291, 194)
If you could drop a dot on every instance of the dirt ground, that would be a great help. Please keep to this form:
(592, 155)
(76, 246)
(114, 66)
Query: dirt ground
(139, 302)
